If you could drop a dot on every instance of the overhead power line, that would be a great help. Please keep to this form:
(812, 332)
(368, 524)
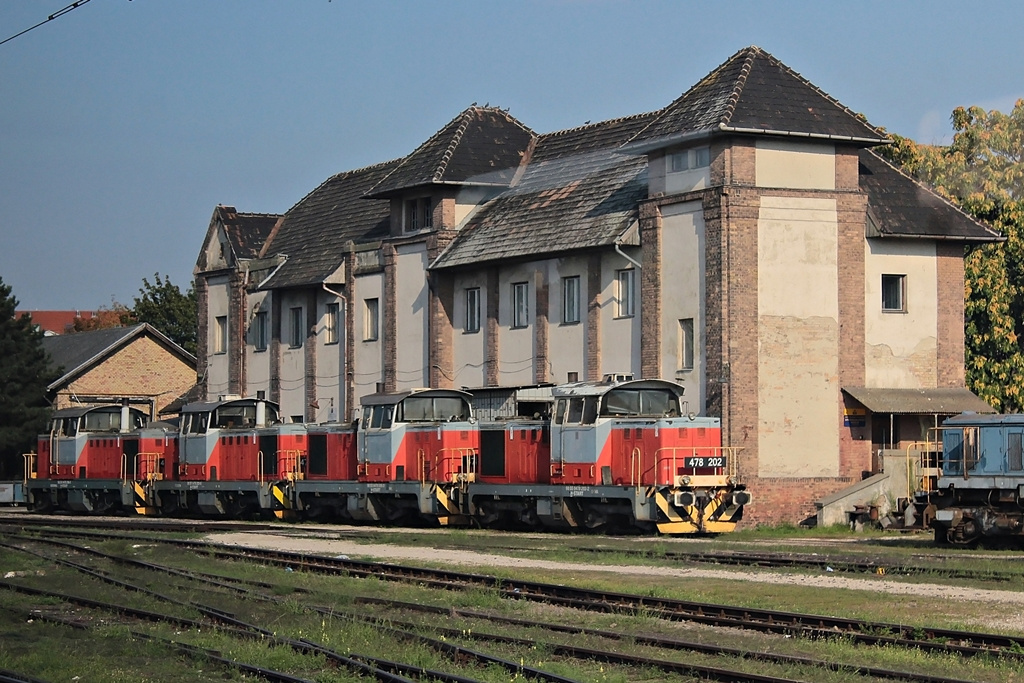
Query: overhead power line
(59, 13)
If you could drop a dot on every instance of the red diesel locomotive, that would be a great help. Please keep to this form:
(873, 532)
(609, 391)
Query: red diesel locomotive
(610, 454)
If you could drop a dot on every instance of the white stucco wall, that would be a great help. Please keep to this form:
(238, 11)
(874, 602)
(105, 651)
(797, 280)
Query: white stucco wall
(620, 336)
(293, 360)
(685, 181)
(567, 342)
(517, 346)
(683, 290)
(257, 363)
(901, 347)
(329, 362)
(469, 348)
(798, 338)
(411, 304)
(368, 363)
(791, 164)
(216, 363)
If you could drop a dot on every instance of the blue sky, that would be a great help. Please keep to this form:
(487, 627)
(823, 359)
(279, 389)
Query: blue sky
(123, 123)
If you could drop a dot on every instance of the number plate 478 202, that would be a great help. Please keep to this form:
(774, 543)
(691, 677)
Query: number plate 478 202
(696, 462)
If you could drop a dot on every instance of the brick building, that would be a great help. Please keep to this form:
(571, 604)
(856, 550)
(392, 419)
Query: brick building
(138, 363)
(744, 241)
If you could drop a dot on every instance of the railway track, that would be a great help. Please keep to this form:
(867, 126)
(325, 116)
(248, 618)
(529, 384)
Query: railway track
(746, 559)
(945, 641)
(389, 671)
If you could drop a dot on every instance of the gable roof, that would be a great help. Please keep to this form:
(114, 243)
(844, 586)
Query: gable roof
(78, 353)
(315, 232)
(247, 232)
(753, 92)
(899, 206)
(578, 191)
(480, 146)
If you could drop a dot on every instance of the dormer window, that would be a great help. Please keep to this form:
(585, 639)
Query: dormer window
(418, 215)
(689, 159)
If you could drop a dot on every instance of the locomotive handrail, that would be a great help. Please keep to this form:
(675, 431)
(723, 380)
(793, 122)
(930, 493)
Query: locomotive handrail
(289, 459)
(728, 452)
(259, 466)
(151, 460)
(635, 466)
(30, 467)
(919, 472)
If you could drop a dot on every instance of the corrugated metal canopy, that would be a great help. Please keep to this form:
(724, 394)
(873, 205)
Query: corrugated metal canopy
(943, 401)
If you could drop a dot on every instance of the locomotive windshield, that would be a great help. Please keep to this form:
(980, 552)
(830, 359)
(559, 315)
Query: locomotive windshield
(377, 417)
(66, 426)
(195, 423)
(433, 409)
(640, 402)
(109, 420)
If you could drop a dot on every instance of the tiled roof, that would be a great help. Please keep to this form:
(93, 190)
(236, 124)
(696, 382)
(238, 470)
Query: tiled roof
(480, 146)
(314, 232)
(57, 322)
(577, 192)
(899, 206)
(76, 353)
(247, 232)
(756, 93)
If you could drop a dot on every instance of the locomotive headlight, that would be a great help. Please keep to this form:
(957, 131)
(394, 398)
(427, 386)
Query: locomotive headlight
(686, 481)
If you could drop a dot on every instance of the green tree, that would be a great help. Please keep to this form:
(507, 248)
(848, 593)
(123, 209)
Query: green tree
(983, 171)
(25, 373)
(161, 304)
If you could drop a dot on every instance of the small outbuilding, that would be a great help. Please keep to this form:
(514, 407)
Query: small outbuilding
(138, 363)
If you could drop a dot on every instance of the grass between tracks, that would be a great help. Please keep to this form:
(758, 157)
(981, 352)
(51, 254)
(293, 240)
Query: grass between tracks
(104, 651)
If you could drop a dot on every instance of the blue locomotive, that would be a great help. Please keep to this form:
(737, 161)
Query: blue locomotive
(980, 489)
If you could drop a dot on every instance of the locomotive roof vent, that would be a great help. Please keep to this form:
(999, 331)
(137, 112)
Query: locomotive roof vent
(615, 377)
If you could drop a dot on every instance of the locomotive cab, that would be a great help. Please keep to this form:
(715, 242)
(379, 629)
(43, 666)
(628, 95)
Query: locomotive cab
(980, 489)
(86, 458)
(414, 440)
(632, 435)
(229, 446)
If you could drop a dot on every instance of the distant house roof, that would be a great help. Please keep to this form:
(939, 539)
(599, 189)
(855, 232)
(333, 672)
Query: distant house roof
(55, 322)
(753, 92)
(480, 146)
(578, 191)
(78, 353)
(899, 206)
(314, 233)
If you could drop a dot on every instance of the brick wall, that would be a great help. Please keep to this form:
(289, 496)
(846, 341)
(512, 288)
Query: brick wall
(649, 298)
(540, 328)
(854, 443)
(202, 332)
(593, 365)
(309, 349)
(388, 321)
(142, 368)
(491, 355)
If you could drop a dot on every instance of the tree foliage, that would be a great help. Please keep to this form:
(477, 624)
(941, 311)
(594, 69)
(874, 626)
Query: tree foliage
(116, 315)
(161, 304)
(983, 171)
(25, 373)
